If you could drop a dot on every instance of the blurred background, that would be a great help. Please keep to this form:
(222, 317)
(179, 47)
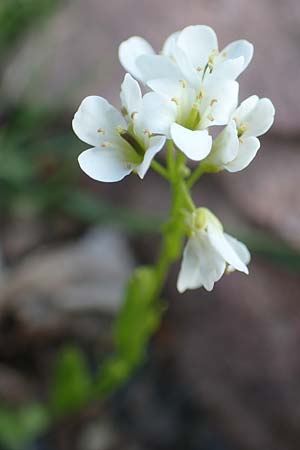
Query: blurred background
(223, 370)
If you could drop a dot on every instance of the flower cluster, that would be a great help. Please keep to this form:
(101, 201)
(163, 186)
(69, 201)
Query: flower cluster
(191, 93)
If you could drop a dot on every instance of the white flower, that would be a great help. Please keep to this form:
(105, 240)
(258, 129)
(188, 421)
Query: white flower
(185, 113)
(193, 84)
(209, 252)
(189, 54)
(236, 146)
(119, 145)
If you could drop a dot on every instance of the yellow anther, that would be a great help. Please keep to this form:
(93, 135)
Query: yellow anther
(241, 129)
(120, 130)
(199, 69)
(183, 83)
(210, 117)
(101, 130)
(200, 95)
(175, 100)
(106, 144)
(212, 56)
(147, 132)
(213, 102)
(133, 115)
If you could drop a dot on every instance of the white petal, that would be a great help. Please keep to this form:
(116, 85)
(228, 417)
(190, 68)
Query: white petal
(181, 96)
(198, 43)
(201, 265)
(260, 119)
(156, 144)
(157, 66)
(239, 48)
(130, 50)
(169, 44)
(104, 164)
(195, 145)
(226, 94)
(229, 69)
(189, 72)
(95, 114)
(240, 249)
(246, 153)
(158, 113)
(221, 245)
(166, 87)
(225, 146)
(131, 95)
(245, 108)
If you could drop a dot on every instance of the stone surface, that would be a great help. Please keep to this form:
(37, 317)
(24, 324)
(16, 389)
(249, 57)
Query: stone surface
(82, 279)
(75, 53)
(266, 192)
(237, 352)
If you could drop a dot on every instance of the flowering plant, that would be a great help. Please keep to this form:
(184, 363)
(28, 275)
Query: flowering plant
(187, 123)
(193, 88)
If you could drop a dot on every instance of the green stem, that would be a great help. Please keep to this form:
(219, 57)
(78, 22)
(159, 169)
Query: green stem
(198, 172)
(161, 170)
(174, 229)
(142, 310)
(170, 159)
(188, 201)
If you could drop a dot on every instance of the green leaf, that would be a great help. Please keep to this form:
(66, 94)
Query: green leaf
(72, 382)
(18, 427)
(139, 316)
(17, 15)
(136, 323)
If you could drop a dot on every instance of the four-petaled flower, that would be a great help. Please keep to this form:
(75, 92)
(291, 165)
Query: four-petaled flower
(193, 87)
(236, 146)
(193, 84)
(120, 144)
(209, 252)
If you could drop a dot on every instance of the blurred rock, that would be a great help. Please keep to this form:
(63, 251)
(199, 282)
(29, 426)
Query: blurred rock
(81, 279)
(266, 192)
(13, 386)
(75, 53)
(98, 436)
(236, 350)
(21, 236)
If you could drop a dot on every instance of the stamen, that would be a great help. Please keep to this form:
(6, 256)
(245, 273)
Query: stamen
(200, 95)
(101, 130)
(213, 102)
(124, 111)
(183, 83)
(106, 144)
(120, 130)
(133, 115)
(175, 100)
(199, 69)
(210, 117)
(212, 56)
(241, 129)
